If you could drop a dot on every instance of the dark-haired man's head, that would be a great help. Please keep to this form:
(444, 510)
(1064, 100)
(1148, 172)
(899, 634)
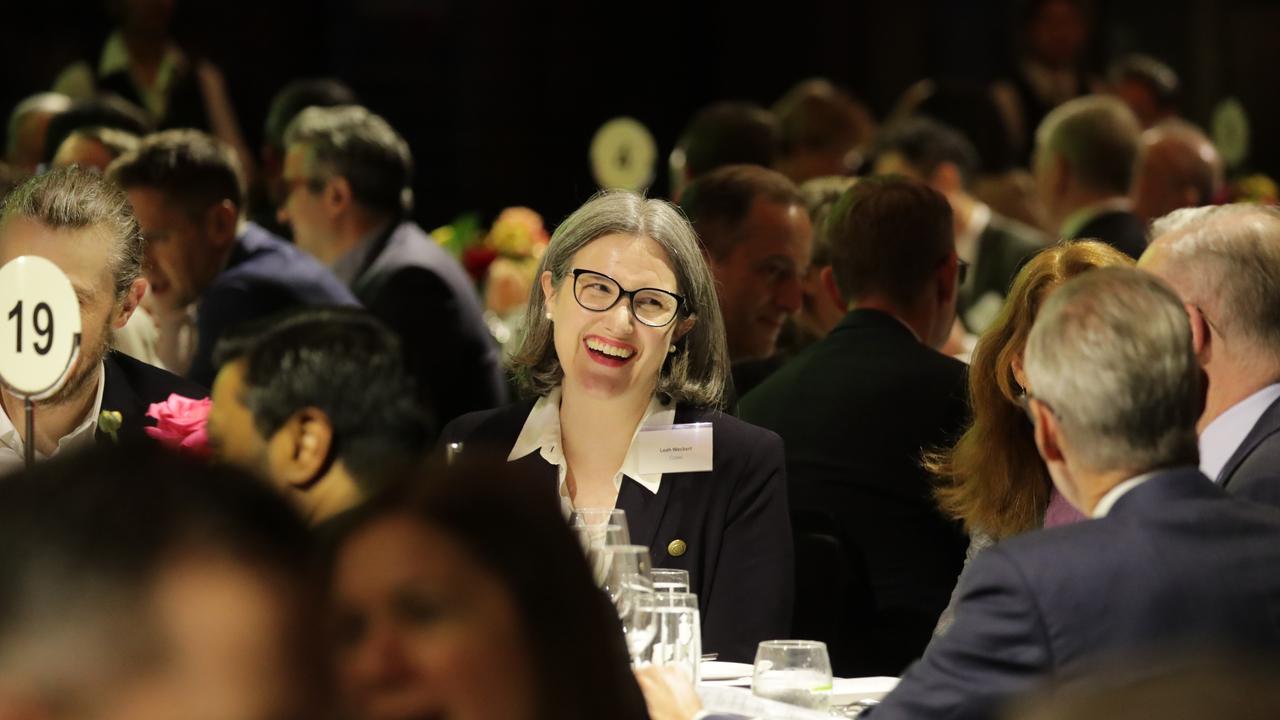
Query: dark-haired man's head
(187, 191)
(821, 131)
(99, 111)
(318, 402)
(928, 151)
(285, 106)
(346, 172)
(141, 585)
(756, 234)
(29, 126)
(726, 133)
(1148, 86)
(893, 249)
(94, 147)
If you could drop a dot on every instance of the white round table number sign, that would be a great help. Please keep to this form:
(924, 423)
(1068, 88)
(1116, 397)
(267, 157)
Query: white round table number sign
(623, 155)
(39, 326)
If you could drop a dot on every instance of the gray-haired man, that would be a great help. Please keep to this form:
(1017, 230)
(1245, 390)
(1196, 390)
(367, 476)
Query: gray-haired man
(1171, 567)
(1224, 262)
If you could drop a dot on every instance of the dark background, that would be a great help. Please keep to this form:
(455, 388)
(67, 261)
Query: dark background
(499, 98)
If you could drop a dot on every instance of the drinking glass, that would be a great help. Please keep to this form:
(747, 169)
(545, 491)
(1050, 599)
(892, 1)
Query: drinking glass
(597, 528)
(624, 572)
(797, 672)
(670, 580)
(677, 636)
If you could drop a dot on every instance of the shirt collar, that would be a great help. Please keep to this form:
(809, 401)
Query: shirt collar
(541, 432)
(81, 436)
(1076, 221)
(1113, 495)
(1222, 437)
(348, 267)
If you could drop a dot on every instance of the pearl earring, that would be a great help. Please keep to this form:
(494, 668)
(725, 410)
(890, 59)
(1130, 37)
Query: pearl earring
(548, 314)
(671, 349)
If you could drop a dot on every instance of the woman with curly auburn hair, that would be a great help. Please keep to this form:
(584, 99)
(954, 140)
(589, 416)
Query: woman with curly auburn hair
(993, 479)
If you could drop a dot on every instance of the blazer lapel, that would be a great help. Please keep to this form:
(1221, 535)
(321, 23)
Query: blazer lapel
(644, 509)
(119, 395)
(1267, 425)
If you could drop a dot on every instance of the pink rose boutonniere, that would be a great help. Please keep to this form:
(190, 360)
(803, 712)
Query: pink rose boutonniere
(180, 424)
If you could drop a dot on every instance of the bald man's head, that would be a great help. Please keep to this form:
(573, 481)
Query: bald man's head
(1178, 167)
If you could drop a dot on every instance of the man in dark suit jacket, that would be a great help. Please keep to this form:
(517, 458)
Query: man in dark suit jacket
(857, 409)
(995, 246)
(348, 178)
(1224, 262)
(84, 226)
(1085, 153)
(189, 196)
(1170, 568)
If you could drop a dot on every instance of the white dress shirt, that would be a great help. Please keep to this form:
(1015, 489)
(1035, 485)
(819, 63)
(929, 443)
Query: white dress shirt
(541, 432)
(1220, 440)
(12, 450)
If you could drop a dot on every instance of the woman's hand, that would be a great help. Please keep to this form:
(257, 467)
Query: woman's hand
(668, 693)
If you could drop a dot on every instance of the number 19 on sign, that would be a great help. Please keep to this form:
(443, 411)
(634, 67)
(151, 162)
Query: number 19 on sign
(41, 322)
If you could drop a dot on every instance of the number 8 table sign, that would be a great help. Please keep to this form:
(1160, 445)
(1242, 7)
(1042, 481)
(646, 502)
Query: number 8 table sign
(40, 333)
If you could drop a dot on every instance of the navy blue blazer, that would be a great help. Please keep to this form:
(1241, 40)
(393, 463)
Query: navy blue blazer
(734, 522)
(131, 386)
(1175, 567)
(264, 275)
(1253, 471)
(409, 282)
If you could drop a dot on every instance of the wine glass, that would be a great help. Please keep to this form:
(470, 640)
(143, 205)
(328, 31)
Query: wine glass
(624, 572)
(796, 672)
(672, 580)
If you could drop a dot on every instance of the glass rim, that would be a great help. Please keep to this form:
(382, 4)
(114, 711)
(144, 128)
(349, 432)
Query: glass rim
(792, 644)
(620, 548)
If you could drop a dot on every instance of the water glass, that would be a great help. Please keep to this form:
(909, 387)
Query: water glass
(623, 571)
(670, 580)
(677, 635)
(796, 672)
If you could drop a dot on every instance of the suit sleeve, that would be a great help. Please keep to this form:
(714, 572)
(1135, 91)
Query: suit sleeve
(754, 586)
(997, 648)
(221, 311)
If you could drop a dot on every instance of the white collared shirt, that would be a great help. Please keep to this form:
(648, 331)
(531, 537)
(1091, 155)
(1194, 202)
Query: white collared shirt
(541, 432)
(12, 450)
(1078, 219)
(1220, 440)
(1113, 495)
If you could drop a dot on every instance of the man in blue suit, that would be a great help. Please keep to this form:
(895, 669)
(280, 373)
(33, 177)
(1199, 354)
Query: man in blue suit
(1170, 567)
(188, 193)
(347, 197)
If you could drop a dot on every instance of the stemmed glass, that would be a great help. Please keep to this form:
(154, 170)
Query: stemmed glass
(797, 672)
(598, 528)
(625, 572)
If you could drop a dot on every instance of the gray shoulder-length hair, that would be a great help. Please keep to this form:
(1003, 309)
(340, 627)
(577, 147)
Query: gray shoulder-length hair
(695, 374)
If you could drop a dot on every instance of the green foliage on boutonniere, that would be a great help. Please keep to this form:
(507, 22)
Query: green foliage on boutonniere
(109, 422)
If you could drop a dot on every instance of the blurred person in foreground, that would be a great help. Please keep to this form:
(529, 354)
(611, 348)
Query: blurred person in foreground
(318, 402)
(94, 147)
(1178, 167)
(348, 174)
(84, 225)
(1171, 566)
(139, 585)
(1148, 86)
(188, 192)
(624, 335)
(1085, 154)
(993, 479)
(29, 127)
(1224, 262)
(857, 409)
(464, 595)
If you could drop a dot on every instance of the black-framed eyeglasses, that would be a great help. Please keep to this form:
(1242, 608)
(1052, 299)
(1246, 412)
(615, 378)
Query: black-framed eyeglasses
(962, 271)
(599, 292)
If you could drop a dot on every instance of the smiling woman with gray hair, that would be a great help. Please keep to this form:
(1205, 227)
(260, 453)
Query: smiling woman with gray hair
(625, 365)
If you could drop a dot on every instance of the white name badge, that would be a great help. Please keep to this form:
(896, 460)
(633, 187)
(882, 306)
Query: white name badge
(674, 449)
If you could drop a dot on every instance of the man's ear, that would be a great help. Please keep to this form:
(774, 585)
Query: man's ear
(300, 450)
(1048, 433)
(947, 277)
(832, 288)
(337, 196)
(1201, 336)
(220, 223)
(132, 298)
